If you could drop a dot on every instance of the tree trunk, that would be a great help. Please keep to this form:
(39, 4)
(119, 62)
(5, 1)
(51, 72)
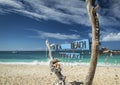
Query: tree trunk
(95, 40)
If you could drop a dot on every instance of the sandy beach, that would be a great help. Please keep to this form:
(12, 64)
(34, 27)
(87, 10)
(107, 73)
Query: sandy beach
(41, 74)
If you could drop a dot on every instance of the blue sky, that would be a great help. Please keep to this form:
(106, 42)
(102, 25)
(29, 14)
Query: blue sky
(26, 24)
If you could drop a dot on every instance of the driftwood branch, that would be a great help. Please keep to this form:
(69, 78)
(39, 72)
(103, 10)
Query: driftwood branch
(55, 67)
(49, 49)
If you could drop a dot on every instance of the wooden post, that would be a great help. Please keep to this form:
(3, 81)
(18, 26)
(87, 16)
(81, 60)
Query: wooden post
(90, 4)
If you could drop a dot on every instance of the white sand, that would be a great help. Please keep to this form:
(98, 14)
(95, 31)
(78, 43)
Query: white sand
(41, 75)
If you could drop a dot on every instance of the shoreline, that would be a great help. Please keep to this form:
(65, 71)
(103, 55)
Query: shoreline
(41, 75)
(62, 63)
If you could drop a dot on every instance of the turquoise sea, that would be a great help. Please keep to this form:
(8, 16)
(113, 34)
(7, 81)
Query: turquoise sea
(41, 57)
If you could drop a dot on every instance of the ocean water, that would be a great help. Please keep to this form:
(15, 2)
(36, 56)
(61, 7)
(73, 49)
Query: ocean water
(41, 57)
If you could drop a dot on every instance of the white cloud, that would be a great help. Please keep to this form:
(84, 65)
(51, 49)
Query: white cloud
(73, 30)
(64, 11)
(31, 14)
(111, 37)
(60, 36)
(12, 3)
(108, 21)
(108, 35)
(109, 13)
(72, 11)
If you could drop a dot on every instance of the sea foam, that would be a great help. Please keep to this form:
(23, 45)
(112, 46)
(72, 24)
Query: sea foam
(36, 62)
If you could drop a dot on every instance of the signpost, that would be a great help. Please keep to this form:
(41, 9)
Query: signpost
(73, 49)
(75, 45)
(69, 55)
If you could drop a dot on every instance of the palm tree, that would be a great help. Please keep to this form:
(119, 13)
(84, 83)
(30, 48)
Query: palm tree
(91, 8)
